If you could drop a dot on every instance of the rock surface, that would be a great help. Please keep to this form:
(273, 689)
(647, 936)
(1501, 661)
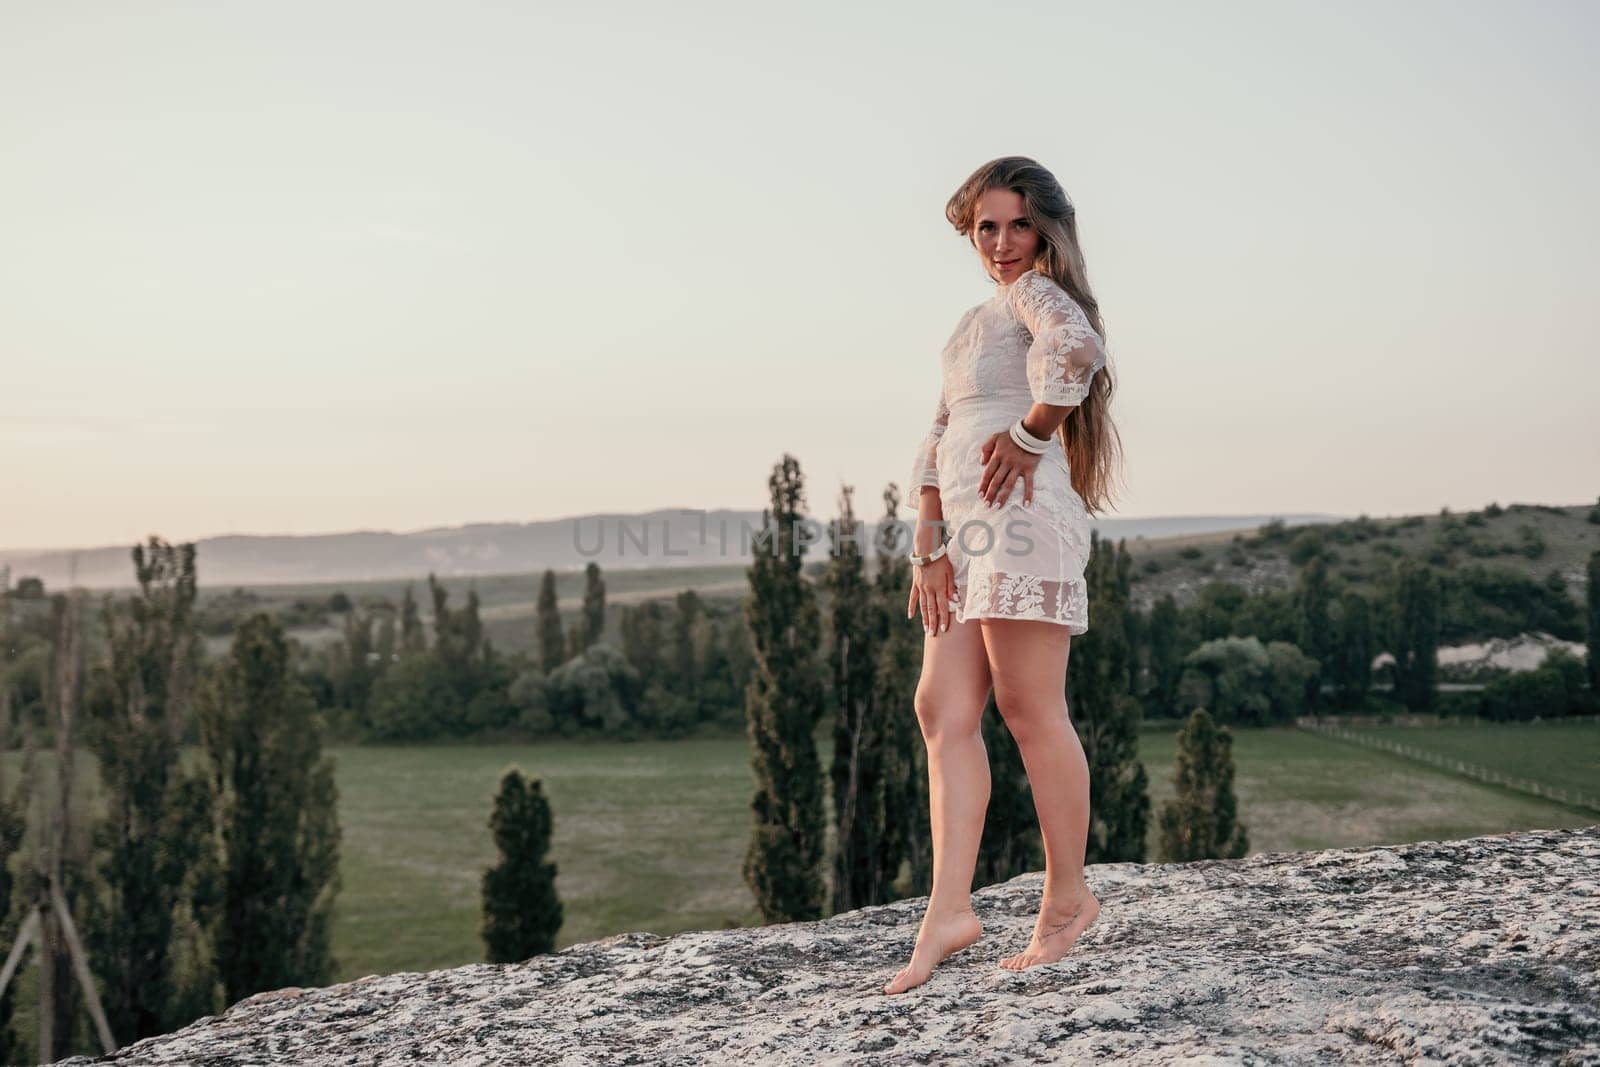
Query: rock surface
(1484, 950)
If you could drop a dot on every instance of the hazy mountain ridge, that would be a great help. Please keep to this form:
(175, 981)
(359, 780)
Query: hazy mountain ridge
(667, 537)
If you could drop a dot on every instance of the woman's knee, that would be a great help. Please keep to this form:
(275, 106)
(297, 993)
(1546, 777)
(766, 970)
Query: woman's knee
(1023, 709)
(943, 715)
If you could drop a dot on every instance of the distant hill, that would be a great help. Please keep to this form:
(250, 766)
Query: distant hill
(666, 538)
(1538, 543)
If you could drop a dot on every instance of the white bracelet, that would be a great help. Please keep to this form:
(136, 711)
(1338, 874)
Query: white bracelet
(930, 557)
(1026, 441)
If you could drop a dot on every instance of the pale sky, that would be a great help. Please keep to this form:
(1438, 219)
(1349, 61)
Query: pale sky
(312, 267)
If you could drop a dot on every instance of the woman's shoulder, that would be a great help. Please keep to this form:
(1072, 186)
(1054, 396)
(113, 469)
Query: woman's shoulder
(1036, 293)
(1033, 284)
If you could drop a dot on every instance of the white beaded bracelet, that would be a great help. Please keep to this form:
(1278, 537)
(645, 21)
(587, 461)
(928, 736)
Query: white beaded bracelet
(930, 557)
(1026, 441)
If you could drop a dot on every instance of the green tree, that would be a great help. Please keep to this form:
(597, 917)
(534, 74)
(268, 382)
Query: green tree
(1350, 669)
(1270, 615)
(521, 912)
(1132, 621)
(1010, 844)
(594, 606)
(597, 691)
(1164, 640)
(1107, 718)
(277, 813)
(1201, 821)
(784, 701)
(640, 630)
(1228, 676)
(552, 643)
(356, 670)
(13, 824)
(386, 642)
(859, 874)
(907, 835)
(413, 641)
(159, 869)
(685, 658)
(1215, 609)
(1315, 637)
(1414, 634)
(1593, 598)
(1291, 674)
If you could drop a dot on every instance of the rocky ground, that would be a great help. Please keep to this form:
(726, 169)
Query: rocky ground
(1484, 950)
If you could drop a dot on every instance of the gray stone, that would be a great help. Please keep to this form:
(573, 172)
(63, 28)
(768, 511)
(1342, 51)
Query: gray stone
(1483, 950)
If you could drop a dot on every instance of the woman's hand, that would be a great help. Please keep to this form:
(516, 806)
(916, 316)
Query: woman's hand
(1004, 463)
(933, 587)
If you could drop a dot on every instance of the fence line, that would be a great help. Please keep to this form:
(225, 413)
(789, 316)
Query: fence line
(1487, 775)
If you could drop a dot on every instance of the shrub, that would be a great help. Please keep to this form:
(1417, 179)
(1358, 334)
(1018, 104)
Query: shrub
(1306, 545)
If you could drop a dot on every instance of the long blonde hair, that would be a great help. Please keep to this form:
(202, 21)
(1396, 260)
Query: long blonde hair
(1094, 448)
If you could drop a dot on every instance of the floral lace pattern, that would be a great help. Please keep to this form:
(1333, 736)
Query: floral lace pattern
(1029, 343)
(996, 595)
(1065, 351)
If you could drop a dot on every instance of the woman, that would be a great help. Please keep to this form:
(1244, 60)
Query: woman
(1002, 597)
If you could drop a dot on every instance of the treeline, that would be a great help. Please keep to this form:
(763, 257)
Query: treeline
(670, 666)
(667, 670)
(201, 877)
(1323, 644)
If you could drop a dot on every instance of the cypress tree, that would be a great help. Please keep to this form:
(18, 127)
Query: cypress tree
(552, 643)
(1315, 627)
(594, 606)
(1352, 656)
(859, 874)
(412, 639)
(1166, 655)
(1011, 844)
(1107, 719)
(783, 701)
(685, 661)
(1201, 821)
(1414, 634)
(1132, 622)
(640, 630)
(356, 671)
(13, 824)
(386, 643)
(907, 833)
(1594, 627)
(158, 863)
(521, 911)
(277, 811)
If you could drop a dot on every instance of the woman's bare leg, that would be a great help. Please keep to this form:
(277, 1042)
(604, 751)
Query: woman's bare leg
(951, 695)
(1028, 662)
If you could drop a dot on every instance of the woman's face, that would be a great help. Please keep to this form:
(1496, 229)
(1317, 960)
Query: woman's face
(1005, 239)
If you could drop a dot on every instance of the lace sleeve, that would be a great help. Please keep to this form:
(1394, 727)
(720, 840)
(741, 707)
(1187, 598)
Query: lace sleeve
(1066, 351)
(924, 471)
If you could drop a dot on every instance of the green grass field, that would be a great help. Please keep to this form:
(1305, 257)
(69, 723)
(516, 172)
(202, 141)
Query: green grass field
(650, 836)
(1564, 754)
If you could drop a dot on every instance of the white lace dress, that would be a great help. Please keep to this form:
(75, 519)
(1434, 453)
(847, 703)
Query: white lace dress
(1031, 342)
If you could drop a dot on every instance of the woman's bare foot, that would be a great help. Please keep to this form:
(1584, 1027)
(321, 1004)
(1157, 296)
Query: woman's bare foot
(939, 936)
(1056, 930)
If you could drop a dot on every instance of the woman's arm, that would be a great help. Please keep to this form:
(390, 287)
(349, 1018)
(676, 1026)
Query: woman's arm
(1065, 352)
(1062, 358)
(925, 482)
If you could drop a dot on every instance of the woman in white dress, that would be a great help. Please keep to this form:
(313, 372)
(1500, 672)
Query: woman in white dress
(1021, 450)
